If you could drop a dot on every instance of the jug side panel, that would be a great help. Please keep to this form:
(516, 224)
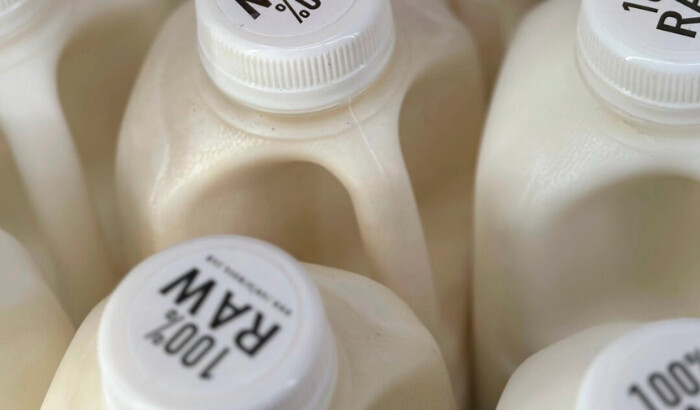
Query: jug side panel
(551, 378)
(142, 148)
(34, 330)
(96, 72)
(531, 113)
(77, 382)
(635, 258)
(395, 363)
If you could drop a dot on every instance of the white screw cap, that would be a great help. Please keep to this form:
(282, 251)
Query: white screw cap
(643, 57)
(294, 56)
(217, 323)
(656, 363)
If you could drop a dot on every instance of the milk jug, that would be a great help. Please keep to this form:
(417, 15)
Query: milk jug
(34, 331)
(344, 132)
(588, 182)
(624, 366)
(235, 323)
(493, 23)
(66, 68)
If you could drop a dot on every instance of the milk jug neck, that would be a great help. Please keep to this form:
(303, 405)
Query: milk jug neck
(294, 56)
(218, 323)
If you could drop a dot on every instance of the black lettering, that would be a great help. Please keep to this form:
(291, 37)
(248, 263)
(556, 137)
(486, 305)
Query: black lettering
(312, 4)
(628, 6)
(206, 374)
(664, 390)
(250, 9)
(192, 356)
(684, 378)
(636, 391)
(227, 311)
(181, 338)
(677, 26)
(254, 335)
(693, 4)
(186, 292)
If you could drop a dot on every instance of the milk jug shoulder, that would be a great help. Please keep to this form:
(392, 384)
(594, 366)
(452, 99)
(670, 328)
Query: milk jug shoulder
(588, 179)
(231, 322)
(66, 68)
(35, 331)
(337, 131)
(624, 366)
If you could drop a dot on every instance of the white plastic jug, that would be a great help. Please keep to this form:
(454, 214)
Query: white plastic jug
(232, 322)
(314, 136)
(588, 182)
(66, 70)
(34, 330)
(625, 366)
(493, 23)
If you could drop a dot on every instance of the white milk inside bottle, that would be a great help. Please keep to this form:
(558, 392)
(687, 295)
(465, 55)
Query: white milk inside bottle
(34, 330)
(232, 322)
(66, 68)
(344, 132)
(625, 366)
(493, 23)
(588, 181)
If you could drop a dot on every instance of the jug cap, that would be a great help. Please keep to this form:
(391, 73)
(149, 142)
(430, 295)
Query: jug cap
(654, 366)
(643, 57)
(218, 323)
(294, 56)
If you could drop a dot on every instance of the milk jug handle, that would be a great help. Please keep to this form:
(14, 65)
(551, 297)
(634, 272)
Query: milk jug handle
(41, 144)
(373, 171)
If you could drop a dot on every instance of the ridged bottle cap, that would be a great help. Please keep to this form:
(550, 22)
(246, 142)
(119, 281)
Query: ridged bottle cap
(643, 57)
(217, 323)
(292, 56)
